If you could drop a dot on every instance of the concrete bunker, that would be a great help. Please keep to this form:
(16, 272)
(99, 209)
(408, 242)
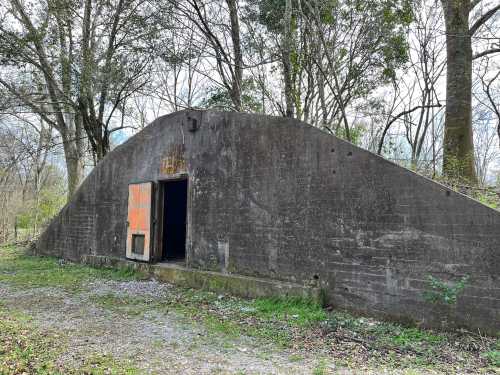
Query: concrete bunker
(263, 205)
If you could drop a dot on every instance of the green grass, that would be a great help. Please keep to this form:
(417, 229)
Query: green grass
(408, 337)
(320, 368)
(385, 332)
(296, 358)
(394, 335)
(391, 338)
(298, 312)
(267, 319)
(22, 270)
(25, 349)
(286, 322)
(226, 327)
(132, 306)
(105, 364)
(261, 318)
(492, 356)
(488, 197)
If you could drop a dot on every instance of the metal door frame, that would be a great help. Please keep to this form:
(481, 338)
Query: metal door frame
(159, 215)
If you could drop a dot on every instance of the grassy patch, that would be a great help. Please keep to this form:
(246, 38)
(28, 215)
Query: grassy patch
(384, 335)
(225, 327)
(272, 319)
(23, 349)
(492, 356)
(408, 337)
(127, 305)
(295, 358)
(396, 336)
(303, 324)
(268, 319)
(298, 312)
(287, 322)
(105, 364)
(405, 347)
(19, 269)
(320, 368)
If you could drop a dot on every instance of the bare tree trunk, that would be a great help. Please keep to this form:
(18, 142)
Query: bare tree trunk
(74, 168)
(238, 56)
(73, 153)
(286, 57)
(5, 224)
(498, 132)
(494, 103)
(458, 147)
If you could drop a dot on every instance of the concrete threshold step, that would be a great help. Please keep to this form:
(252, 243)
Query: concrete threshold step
(218, 282)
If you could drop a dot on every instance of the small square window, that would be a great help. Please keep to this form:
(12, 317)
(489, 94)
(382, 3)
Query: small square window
(138, 244)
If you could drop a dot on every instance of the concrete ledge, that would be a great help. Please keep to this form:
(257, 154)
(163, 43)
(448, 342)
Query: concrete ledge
(242, 286)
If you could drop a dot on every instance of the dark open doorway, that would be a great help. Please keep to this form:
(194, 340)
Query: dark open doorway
(174, 219)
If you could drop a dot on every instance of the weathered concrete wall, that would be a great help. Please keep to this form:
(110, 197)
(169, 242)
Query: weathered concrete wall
(277, 198)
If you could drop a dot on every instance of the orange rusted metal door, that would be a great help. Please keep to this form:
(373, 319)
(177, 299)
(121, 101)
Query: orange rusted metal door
(139, 221)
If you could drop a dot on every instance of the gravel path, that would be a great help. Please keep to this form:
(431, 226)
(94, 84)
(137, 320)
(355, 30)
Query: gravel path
(156, 342)
(160, 341)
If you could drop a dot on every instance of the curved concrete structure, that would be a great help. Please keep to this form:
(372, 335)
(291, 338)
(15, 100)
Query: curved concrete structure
(276, 198)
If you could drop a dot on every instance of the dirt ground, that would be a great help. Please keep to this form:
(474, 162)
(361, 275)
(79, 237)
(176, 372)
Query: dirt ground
(106, 326)
(155, 342)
